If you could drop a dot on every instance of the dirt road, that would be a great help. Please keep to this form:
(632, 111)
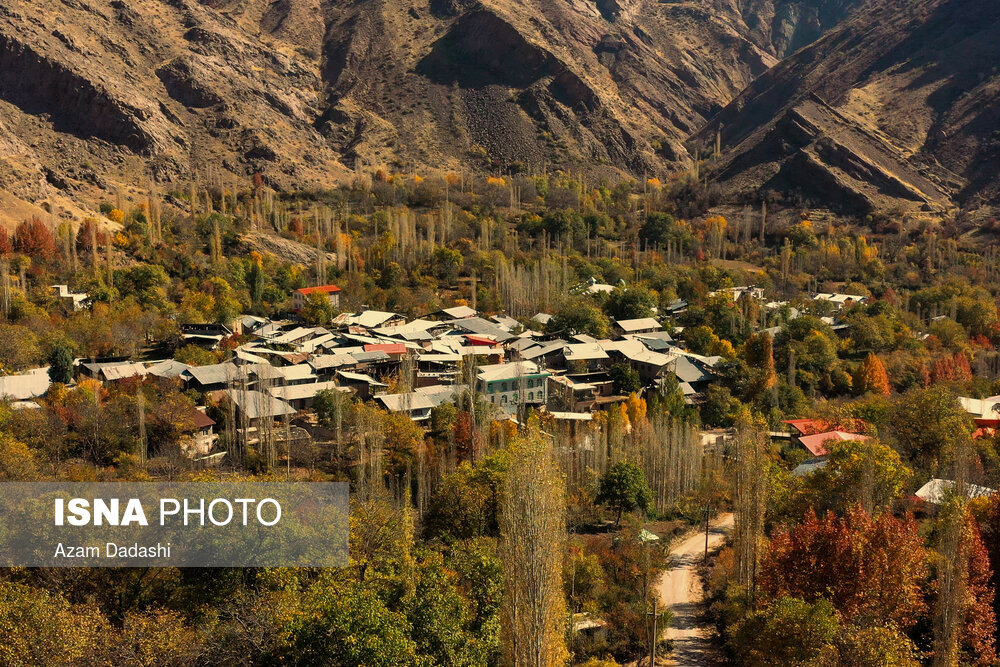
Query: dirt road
(680, 590)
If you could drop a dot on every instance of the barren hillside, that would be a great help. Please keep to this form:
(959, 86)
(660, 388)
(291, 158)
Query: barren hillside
(898, 107)
(98, 93)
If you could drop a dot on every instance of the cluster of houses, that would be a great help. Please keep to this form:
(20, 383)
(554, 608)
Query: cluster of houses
(281, 366)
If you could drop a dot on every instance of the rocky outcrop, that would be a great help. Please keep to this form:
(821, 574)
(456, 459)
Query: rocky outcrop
(902, 111)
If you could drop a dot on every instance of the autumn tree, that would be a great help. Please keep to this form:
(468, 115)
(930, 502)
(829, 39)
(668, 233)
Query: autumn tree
(532, 538)
(33, 238)
(870, 569)
(317, 309)
(750, 499)
(871, 376)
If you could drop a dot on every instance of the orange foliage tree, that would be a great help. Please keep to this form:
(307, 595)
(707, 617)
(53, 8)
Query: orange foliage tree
(867, 567)
(34, 239)
(871, 376)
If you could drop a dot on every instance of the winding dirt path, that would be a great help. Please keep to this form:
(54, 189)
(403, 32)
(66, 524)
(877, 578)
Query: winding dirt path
(680, 590)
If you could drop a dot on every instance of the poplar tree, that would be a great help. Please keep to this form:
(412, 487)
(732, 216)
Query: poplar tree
(531, 548)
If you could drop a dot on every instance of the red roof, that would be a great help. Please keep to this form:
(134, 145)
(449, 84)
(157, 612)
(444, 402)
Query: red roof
(480, 340)
(816, 443)
(813, 426)
(388, 348)
(329, 289)
(805, 426)
(201, 420)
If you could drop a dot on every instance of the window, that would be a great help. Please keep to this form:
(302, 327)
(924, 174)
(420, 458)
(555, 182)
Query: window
(493, 399)
(531, 395)
(503, 387)
(503, 399)
(531, 383)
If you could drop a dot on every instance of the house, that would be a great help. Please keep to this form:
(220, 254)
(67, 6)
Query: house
(168, 368)
(809, 466)
(205, 335)
(297, 374)
(456, 313)
(363, 385)
(25, 386)
(216, 377)
(648, 364)
(300, 296)
(568, 395)
(418, 404)
(302, 396)
(676, 307)
(506, 321)
(541, 318)
(816, 443)
(112, 371)
(594, 287)
(543, 353)
(477, 325)
(935, 490)
(986, 411)
(750, 291)
(256, 406)
(584, 356)
(370, 319)
(840, 301)
(72, 300)
(512, 385)
(200, 436)
(641, 325)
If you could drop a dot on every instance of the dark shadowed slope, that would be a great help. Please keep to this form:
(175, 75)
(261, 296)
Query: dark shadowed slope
(898, 107)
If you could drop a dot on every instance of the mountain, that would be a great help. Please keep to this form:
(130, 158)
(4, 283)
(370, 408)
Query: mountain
(97, 95)
(898, 108)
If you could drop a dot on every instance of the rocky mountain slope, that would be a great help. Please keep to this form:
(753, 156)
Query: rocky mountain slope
(101, 94)
(897, 108)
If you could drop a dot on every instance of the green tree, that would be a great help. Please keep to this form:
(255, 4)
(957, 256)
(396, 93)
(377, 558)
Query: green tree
(625, 378)
(868, 473)
(623, 488)
(341, 623)
(788, 631)
(630, 303)
(192, 355)
(318, 309)
(580, 316)
(875, 646)
(467, 503)
(61, 364)
(926, 423)
(439, 616)
(447, 263)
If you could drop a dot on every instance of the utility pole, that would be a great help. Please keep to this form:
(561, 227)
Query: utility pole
(652, 640)
(708, 511)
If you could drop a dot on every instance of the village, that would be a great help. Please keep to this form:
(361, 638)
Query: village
(277, 368)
